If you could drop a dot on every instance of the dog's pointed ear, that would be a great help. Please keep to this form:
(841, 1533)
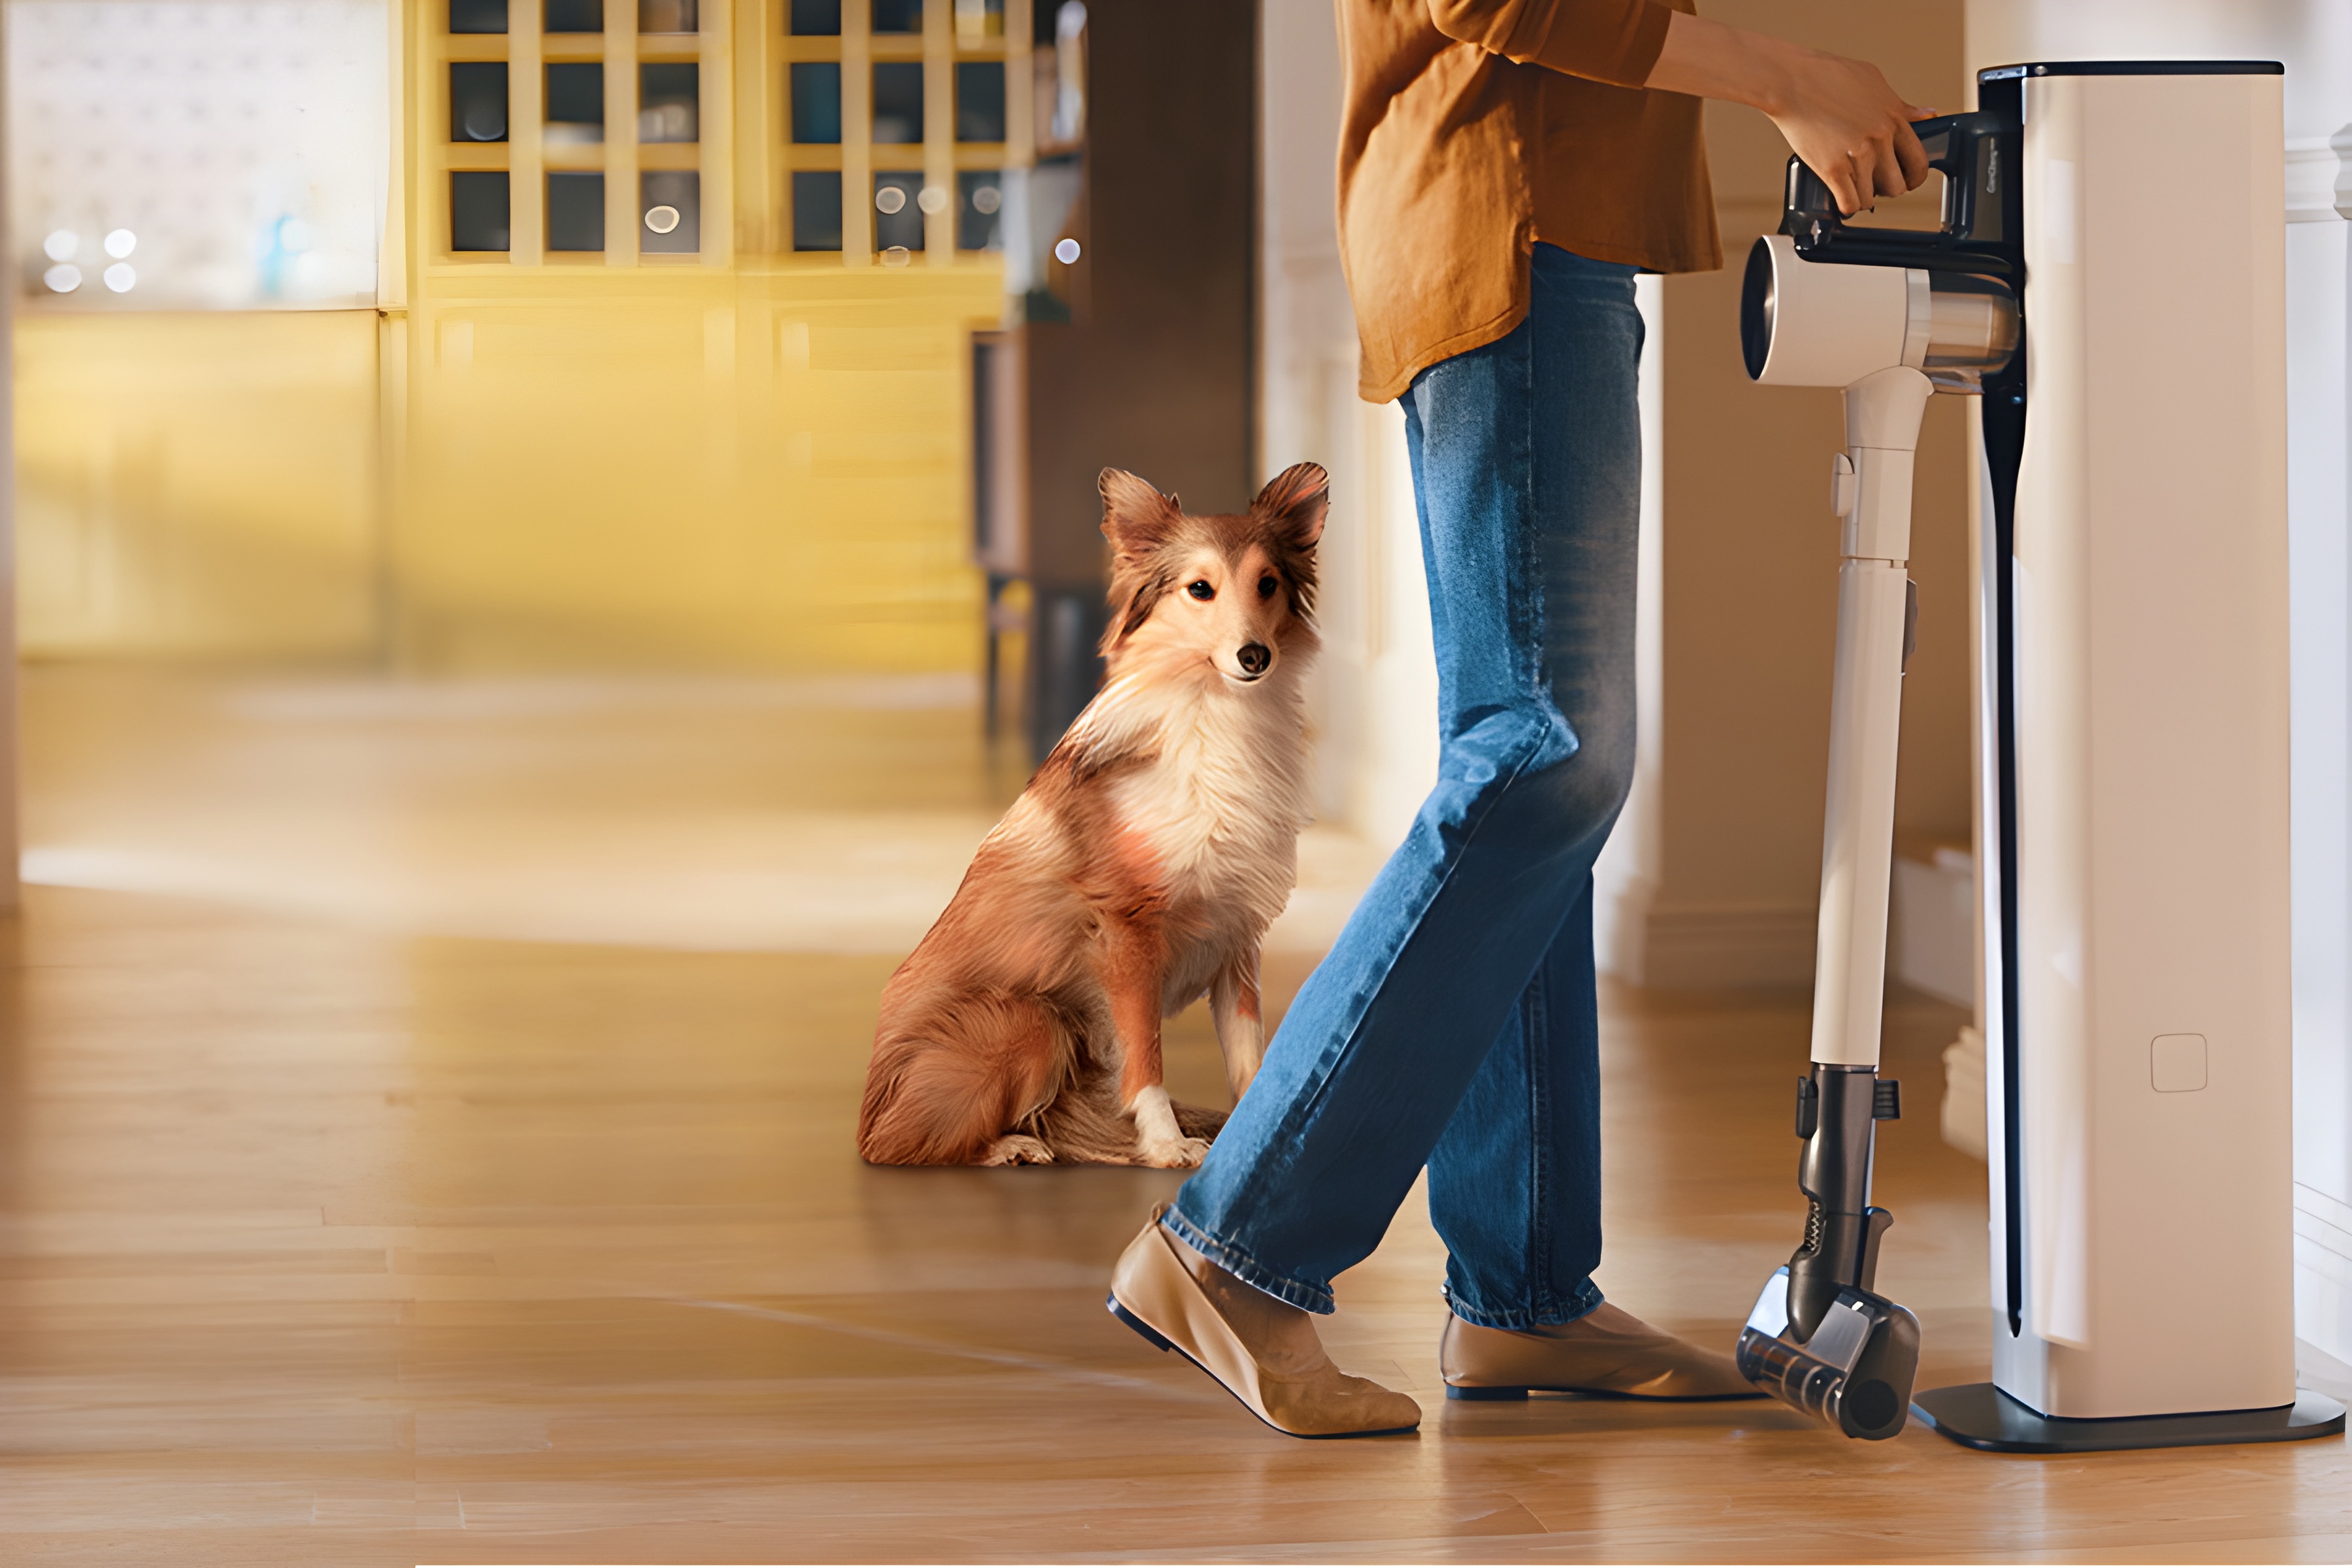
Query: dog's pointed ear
(1296, 500)
(1135, 515)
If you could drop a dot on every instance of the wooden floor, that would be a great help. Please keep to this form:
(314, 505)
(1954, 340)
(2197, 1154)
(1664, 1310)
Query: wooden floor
(330, 1238)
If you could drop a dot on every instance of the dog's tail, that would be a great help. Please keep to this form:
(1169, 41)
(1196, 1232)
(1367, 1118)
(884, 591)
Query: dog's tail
(937, 1094)
(941, 1093)
(1199, 1120)
(1085, 1126)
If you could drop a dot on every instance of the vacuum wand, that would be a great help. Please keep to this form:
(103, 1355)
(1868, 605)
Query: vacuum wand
(1820, 1337)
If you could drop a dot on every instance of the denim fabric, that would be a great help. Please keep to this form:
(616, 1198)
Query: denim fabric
(1453, 1024)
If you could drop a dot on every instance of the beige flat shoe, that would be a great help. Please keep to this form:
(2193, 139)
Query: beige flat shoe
(1286, 1381)
(1608, 1353)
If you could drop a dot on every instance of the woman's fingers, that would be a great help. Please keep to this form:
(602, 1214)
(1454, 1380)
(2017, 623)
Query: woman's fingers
(1837, 172)
(1886, 165)
(1912, 156)
(1850, 175)
(1845, 187)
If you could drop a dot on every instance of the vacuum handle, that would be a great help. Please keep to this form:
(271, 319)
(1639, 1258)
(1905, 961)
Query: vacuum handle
(1977, 155)
(1807, 197)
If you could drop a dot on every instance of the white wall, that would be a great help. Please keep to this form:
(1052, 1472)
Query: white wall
(2314, 37)
(1375, 698)
(245, 147)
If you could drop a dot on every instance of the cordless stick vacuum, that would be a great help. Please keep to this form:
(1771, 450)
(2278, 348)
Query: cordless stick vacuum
(1892, 317)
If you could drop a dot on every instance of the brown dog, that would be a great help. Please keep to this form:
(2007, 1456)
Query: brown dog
(1140, 870)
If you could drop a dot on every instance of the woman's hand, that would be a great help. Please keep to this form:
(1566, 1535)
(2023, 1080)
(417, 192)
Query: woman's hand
(1840, 115)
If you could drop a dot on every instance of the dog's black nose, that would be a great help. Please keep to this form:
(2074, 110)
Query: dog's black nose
(1254, 658)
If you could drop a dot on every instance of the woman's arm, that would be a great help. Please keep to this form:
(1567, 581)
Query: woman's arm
(1839, 115)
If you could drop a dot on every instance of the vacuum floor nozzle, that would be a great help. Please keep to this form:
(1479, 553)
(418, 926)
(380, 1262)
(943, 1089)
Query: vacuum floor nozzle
(1854, 1371)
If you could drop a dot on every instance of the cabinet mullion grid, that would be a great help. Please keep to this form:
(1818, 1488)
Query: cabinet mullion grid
(471, 213)
(847, 85)
(578, 136)
(673, 127)
(485, 109)
(930, 63)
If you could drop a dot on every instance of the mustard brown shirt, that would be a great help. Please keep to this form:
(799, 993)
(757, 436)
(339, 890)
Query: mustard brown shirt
(1473, 129)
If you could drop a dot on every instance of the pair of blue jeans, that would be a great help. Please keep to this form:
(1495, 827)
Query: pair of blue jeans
(1453, 1024)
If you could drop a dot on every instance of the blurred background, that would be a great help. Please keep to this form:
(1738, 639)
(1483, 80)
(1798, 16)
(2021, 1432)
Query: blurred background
(481, 367)
(546, 530)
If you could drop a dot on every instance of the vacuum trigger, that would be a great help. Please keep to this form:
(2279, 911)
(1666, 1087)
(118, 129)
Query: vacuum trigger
(1809, 1108)
(1886, 1100)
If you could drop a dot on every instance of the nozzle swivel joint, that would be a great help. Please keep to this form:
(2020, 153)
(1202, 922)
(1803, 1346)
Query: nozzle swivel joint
(1837, 1111)
(1820, 1338)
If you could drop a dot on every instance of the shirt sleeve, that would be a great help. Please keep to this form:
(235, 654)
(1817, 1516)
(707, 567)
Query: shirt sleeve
(1615, 41)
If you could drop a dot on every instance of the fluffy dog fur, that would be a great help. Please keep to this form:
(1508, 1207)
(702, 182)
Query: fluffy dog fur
(1139, 871)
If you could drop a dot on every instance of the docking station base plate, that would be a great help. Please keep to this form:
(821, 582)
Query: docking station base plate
(1979, 1415)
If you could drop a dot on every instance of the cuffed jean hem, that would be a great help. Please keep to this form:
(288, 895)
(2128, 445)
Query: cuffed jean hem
(1248, 1269)
(1588, 1297)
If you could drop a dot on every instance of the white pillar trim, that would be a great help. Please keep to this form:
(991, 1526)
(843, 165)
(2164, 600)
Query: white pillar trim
(2319, 178)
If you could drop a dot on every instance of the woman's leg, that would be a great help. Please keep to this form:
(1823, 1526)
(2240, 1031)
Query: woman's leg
(1525, 458)
(1514, 1181)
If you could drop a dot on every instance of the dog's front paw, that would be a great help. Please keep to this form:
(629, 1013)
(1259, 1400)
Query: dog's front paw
(1174, 1153)
(1017, 1149)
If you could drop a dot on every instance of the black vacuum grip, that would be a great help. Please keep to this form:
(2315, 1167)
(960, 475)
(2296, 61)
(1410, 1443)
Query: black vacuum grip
(1977, 155)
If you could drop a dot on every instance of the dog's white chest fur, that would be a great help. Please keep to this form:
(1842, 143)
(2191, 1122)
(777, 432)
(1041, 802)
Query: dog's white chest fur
(1222, 802)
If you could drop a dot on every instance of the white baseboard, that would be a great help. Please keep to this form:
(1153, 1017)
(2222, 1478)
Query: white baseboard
(1962, 1114)
(1931, 938)
(2314, 1368)
(1621, 921)
(2323, 1272)
(1714, 949)
(1738, 947)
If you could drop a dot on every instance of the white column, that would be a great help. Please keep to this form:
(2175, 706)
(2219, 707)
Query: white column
(1625, 878)
(11, 889)
(1374, 701)
(2319, 486)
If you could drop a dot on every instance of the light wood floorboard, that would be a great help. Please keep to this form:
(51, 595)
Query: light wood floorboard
(331, 1241)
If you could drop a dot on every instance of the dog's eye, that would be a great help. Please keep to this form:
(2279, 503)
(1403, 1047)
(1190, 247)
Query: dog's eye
(1265, 587)
(1201, 589)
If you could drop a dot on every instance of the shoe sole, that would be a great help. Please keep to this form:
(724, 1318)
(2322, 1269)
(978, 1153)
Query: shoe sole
(1161, 1340)
(1146, 1329)
(1454, 1391)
